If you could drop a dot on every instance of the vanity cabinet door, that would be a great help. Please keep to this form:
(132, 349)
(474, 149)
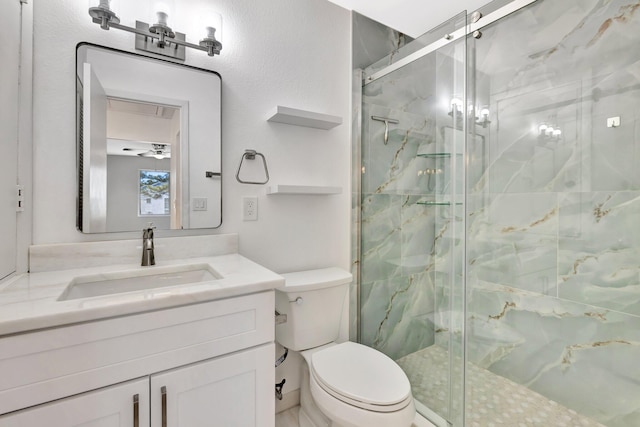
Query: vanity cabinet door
(122, 405)
(229, 391)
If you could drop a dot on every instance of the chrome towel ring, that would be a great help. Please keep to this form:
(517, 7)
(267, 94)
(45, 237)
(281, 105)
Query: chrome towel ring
(251, 155)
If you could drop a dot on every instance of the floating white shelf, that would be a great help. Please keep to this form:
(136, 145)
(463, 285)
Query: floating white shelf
(292, 116)
(303, 189)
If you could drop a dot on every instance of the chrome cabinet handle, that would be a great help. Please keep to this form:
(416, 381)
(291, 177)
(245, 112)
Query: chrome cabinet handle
(136, 410)
(163, 391)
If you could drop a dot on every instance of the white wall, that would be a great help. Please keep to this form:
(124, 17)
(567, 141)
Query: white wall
(290, 52)
(137, 127)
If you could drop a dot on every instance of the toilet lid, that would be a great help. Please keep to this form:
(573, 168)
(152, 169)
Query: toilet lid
(360, 374)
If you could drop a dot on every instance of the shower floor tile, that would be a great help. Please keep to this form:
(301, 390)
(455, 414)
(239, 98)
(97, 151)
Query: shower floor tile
(492, 400)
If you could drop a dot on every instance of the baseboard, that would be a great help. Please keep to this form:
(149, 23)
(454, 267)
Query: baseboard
(289, 400)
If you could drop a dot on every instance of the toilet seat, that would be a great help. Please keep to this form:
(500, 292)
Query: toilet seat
(362, 377)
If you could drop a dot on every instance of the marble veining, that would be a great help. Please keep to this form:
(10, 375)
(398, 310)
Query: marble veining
(548, 226)
(564, 350)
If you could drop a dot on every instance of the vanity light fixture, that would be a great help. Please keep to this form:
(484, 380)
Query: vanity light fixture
(456, 107)
(483, 119)
(547, 131)
(158, 38)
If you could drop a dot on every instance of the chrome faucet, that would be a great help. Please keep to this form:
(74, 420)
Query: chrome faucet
(148, 257)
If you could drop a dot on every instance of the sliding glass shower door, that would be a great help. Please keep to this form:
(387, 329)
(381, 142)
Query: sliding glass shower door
(553, 238)
(412, 220)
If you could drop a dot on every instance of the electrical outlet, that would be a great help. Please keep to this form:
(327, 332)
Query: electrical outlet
(250, 208)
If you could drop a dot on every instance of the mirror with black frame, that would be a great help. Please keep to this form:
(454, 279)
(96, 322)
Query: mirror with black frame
(148, 143)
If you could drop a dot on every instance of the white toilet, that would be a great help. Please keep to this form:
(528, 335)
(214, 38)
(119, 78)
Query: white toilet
(343, 385)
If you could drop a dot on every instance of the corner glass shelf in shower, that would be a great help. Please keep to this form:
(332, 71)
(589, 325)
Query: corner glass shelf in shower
(427, 202)
(437, 155)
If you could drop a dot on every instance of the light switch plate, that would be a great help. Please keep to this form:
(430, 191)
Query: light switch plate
(199, 204)
(613, 122)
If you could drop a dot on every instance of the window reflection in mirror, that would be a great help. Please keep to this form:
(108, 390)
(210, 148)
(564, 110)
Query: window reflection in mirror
(154, 193)
(142, 114)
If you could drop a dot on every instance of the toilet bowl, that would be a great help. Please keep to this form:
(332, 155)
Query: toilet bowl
(358, 386)
(346, 384)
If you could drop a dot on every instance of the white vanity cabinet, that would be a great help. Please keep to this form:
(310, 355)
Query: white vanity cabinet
(122, 405)
(205, 364)
(218, 392)
(224, 391)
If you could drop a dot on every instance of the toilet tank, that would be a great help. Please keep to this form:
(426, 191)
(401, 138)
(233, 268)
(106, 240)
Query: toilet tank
(313, 301)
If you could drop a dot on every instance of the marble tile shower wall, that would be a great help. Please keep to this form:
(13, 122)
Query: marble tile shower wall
(397, 279)
(553, 243)
(372, 42)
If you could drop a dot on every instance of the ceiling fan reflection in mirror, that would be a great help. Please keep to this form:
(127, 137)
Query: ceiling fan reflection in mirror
(126, 147)
(159, 151)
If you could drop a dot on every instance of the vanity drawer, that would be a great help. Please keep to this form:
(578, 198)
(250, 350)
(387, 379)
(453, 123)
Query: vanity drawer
(45, 365)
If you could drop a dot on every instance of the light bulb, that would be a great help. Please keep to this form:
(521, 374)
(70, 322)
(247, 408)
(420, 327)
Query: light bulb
(456, 105)
(549, 130)
(163, 6)
(162, 10)
(542, 128)
(557, 132)
(211, 23)
(484, 112)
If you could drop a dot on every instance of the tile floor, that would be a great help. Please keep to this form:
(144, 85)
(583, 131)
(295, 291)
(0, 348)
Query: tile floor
(492, 400)
(288, 418)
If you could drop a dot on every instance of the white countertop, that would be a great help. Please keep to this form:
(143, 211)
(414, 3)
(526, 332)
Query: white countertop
(30, 301)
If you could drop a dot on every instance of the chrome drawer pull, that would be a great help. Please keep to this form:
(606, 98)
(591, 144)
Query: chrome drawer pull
(163, 390)
(136, 411)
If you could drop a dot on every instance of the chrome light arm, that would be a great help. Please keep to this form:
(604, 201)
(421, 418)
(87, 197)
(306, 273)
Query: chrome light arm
(162, 33)
(103, 17)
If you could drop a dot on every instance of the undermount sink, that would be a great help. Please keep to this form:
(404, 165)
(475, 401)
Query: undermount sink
(137, 280)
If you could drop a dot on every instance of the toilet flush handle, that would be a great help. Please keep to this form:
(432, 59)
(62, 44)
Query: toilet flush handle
(298, 300)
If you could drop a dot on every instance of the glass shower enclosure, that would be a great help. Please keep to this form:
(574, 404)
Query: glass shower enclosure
(498, 243)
